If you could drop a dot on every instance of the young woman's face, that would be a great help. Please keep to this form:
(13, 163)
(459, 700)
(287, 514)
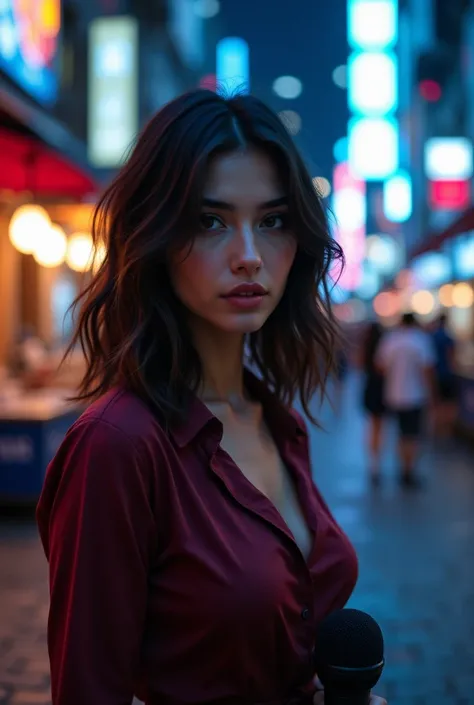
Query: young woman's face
(245, 241)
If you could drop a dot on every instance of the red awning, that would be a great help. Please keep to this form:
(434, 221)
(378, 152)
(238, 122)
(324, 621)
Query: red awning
(27, 164)
(433, 242)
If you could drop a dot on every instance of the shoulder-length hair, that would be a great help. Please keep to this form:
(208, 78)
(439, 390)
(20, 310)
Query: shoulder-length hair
(131, 326)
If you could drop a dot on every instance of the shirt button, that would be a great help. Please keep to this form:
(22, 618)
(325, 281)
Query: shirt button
(305, 614)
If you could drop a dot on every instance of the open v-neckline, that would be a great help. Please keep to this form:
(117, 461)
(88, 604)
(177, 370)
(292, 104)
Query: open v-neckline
(255, 500)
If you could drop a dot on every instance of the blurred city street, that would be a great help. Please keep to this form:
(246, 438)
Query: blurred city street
(416, 569)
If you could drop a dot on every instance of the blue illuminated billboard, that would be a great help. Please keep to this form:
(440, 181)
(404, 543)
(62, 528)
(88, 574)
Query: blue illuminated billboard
(29, 37)
(232, 65)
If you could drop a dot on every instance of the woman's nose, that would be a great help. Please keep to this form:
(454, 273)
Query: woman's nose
(246, 255)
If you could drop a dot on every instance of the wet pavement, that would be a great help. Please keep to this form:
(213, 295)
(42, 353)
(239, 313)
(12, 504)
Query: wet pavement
(416, 569)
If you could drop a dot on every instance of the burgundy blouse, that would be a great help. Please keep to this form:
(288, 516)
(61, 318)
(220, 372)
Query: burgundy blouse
(172, 577)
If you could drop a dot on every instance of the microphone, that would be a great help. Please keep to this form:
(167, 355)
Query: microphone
(349, 657)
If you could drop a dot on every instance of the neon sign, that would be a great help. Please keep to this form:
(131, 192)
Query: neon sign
(29, 36)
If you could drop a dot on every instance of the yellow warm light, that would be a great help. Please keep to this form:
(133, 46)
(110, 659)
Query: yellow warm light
(50, 250)
(79, 255)
(28, 224)
(99, 256)
(463, 295)
(446, 295)
(422, 302)
(386, 304)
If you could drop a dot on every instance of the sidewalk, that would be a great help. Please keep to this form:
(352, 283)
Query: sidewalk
(416, 571)
(416, 556)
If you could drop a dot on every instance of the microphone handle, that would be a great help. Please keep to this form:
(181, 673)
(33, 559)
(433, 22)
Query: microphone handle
(333, 697)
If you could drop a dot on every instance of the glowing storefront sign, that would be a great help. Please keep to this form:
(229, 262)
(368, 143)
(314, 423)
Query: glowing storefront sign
(373, 83)
(29, 38)
(349, 208)
(449, 195)
(373, 147)
(398, 198)
(372, 24)
(448, 158)
(113, 89)
(232, 65)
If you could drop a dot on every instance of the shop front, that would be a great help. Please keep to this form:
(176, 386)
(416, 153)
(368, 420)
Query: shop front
(47, 191)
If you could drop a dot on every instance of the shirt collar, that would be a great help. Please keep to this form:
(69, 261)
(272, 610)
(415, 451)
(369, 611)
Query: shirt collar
(283, 422)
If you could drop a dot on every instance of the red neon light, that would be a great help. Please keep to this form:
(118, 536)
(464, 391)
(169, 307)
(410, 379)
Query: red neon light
(449, 195)
(430, 91)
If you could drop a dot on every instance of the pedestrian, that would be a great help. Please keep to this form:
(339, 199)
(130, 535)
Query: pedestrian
(340, 376)
(446, 407)
(373, 397)
(191, 555)
(406, 358)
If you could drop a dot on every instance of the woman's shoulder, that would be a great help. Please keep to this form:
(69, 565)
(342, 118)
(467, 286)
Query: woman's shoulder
(121, 413)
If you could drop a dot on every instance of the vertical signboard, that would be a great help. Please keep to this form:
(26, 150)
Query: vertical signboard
(113, 89)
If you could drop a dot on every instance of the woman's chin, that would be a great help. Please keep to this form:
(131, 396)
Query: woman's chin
(242, 322)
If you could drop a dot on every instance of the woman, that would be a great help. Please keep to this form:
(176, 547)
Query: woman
(373, 397)
(191, 556)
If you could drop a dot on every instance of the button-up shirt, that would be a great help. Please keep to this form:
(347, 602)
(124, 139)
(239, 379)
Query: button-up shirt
(172, 577)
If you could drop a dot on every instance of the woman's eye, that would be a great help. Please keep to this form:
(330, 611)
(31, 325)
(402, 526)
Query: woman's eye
(211, 222)
(276, 221)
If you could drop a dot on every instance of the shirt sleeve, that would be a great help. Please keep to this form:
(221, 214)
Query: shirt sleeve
(99, 542)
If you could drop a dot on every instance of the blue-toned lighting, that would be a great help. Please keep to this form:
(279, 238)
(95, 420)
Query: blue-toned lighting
(373, 83)
(232, 65)
(432, 269)
(463, 251)
(372, 24)
(369, 284)
(398, 197)
(340, 150)
(373, 147)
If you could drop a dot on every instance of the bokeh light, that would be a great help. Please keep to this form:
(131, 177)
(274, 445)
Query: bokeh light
(79, 254)
(29, 223)
(288, 87)
(50, 250)
(322, 186)
(339, 76)
(423, 302)
(206, 8)
(340, 150)
(463, 295)
(387, 304)
(445, 295)
(291, 120)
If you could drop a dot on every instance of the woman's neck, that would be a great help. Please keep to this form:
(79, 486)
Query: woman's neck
(222, 365)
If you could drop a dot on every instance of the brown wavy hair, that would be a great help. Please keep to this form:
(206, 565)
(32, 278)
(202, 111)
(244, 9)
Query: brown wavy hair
(131, 325)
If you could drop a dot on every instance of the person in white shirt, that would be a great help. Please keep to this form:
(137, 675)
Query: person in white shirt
(407, 359)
